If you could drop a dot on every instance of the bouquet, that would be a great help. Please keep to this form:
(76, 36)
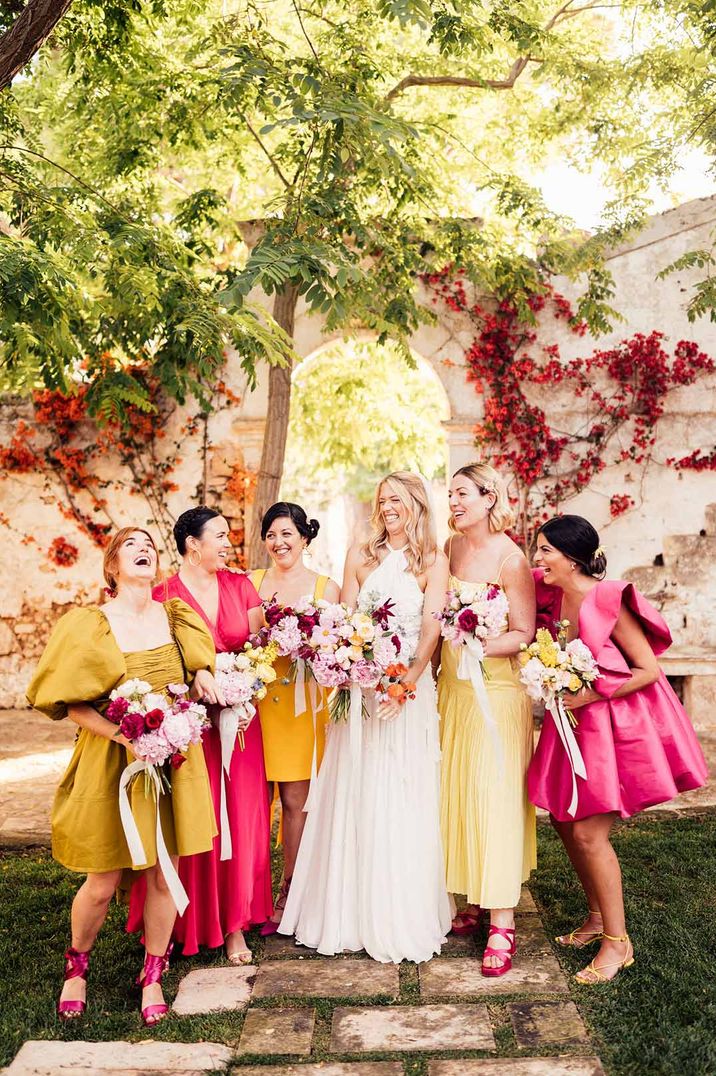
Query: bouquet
(473, 614)
(242, 677)
(352, 649)
(552, 666)
(549, 668)
(160, 725)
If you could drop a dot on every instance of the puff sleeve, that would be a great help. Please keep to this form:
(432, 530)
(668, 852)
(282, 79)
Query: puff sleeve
(192, 637)
(80, 664)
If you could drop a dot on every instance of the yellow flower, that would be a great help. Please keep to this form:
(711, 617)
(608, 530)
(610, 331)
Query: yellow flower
(364, 627)
(575, 684)
(265, 673)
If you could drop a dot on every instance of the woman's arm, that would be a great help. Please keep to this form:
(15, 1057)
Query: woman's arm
(519, 587)
(88, 718)
(351, 586)
(435, 591)
(256, 619)
(634, 645)
(332, 593)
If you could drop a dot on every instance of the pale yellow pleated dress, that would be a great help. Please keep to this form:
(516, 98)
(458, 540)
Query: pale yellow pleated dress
(487, 823)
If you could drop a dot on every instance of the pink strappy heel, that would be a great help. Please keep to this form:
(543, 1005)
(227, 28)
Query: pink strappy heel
(271, 926)
(505, 955)
(76, 965)
(466, 923)
(154, 968)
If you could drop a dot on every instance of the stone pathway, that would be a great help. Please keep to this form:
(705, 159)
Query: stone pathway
(299, 1014)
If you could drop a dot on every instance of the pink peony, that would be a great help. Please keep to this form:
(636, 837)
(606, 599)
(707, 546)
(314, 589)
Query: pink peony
(117, 709)
(132, 725)
(467, 621)
(365, 673)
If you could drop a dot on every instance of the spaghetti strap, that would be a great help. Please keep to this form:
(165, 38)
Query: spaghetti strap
(515, 553)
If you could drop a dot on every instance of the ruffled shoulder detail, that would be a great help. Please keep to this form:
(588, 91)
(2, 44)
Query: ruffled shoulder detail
(599, 614)
(191, 636)
(81, 663)
(549, 600)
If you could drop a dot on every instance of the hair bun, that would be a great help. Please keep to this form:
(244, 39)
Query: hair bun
(598, 562)
(313, 528)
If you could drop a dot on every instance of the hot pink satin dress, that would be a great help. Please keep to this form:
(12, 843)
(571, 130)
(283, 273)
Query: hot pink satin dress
(235, 893)
(640, 749)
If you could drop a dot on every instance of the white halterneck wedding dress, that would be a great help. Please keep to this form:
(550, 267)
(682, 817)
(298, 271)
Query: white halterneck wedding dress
(370, 872)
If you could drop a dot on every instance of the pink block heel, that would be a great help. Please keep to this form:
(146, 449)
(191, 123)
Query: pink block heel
(154, 968)
(271, 926)
(76, 965)
(505, 955)
(466, 923)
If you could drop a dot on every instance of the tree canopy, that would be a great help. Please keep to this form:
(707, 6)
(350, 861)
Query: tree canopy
(163, 163)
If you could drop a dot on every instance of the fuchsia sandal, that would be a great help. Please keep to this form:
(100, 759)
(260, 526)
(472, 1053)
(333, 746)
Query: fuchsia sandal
(505, 955)
(154, 968)
(76, 965)
(466, 923)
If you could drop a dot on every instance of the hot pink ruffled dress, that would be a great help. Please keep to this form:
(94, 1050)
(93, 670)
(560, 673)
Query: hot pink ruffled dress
(640, 749)
(235, 893)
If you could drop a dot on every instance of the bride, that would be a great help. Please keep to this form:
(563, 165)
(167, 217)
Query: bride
(370, 872)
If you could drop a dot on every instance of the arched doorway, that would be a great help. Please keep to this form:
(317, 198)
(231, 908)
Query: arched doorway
(358, 410)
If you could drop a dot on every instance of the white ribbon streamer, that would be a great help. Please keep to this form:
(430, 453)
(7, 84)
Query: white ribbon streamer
(569, 741)
(313, 695)
(470, 668)
(134, 840)
(355, 736)
(229, 720)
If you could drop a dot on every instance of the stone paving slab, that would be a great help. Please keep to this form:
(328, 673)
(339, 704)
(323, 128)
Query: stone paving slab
(411, 1027)
(214, 990)
(277, 1031)
(541, 1023)
(526, 904)
(39, 1057)
(282, 946)
(324, 1068)
(530, 975)
(332, 977)
(510, 1066)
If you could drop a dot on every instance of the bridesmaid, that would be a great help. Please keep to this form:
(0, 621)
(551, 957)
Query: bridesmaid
(226, 896)
(290, 740)
(637, 742)
(488, 824)
(90, 652)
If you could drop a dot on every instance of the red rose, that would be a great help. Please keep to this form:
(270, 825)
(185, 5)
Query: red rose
(467, 620)
(117, 709)
(177, 760)
(153, 718)
(132, 726)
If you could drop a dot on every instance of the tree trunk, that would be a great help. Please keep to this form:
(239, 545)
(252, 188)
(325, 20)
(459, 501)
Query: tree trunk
(274, 447)
(27, 34)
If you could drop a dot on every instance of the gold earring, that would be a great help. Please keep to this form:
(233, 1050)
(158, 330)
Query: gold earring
(194, 552)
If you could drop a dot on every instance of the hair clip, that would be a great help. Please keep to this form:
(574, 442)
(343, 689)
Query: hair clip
(599, 551)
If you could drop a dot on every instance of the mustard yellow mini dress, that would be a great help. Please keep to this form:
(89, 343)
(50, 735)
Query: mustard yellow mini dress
(82, 663)
(487, 823)
(289, 737)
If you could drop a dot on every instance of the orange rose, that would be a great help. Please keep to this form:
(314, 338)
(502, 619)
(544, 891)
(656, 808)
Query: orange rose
(396, 691)
(396, 670)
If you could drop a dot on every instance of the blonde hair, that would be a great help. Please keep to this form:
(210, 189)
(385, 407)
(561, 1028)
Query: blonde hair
(419, 527)
(488, 480)
(111, 553)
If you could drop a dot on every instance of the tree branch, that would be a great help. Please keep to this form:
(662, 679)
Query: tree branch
(507, 83)
(27, 34)
(271, 160)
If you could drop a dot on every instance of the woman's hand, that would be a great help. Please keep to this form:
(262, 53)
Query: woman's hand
(573, 700)
(388, 711)
(206, 689)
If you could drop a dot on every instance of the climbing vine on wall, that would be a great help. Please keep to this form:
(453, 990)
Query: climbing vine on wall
(89, 468)
(621, 391)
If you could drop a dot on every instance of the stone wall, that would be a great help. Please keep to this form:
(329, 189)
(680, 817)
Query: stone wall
(666, 543)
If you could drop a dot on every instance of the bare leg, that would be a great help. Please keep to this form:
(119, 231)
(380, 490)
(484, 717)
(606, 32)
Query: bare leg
(593, 923)
(293, 798)
(89, 910)
(599, 861)
(159, 916)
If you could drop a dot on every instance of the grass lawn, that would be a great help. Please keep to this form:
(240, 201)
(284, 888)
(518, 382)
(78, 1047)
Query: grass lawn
(660, 1018)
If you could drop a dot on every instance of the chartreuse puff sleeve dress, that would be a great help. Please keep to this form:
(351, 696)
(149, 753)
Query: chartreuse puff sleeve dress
(82, 663)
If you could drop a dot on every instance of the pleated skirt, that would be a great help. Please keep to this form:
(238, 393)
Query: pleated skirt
(487, 822)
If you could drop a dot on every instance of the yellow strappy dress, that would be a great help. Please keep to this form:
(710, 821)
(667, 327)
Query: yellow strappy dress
(288, 737)
(487, 823)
